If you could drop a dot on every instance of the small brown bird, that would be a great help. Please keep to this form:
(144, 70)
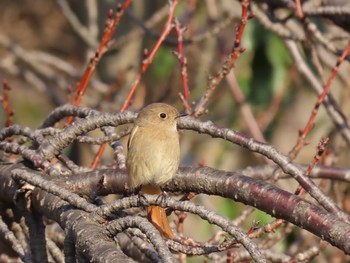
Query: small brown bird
(153, 156)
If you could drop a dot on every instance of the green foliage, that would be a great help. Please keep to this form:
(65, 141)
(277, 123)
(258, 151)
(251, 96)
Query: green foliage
(165, 61)
(269, 63)
(262, 217)
(280, 61)
(229, 208)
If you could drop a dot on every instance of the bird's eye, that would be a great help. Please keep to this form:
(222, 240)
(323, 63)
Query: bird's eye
(162, 115)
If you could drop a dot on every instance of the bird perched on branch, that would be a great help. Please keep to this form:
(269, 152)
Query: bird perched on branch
(153, 156)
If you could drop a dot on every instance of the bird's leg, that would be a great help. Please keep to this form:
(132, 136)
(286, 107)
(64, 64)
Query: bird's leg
(141, 196)
(162, 196)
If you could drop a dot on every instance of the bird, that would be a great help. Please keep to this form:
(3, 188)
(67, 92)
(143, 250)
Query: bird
(154, 156)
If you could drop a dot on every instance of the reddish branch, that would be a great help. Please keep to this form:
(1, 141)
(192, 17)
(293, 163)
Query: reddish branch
(299, 9)
(149, 57)
(185, 96)
(6, 104)
(311, 122)
(145, 64)
(98, 156)
(321, 148)
(110, 27)
(181, 216)
(229, 63)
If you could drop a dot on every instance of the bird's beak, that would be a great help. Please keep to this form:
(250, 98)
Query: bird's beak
(181, 115)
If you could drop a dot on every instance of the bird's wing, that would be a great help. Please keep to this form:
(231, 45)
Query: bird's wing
(132, 135)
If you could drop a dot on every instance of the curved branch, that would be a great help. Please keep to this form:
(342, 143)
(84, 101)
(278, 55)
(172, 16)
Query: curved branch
(250, 191)
(270, 152)
(210, 216)
(121, 224)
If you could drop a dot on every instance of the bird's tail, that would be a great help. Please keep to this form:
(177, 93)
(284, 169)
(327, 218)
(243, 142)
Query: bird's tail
(156, 214)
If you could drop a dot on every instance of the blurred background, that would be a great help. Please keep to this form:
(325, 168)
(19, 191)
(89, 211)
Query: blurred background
(45, 46)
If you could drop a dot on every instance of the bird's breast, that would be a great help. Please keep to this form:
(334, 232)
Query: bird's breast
(153, 156)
